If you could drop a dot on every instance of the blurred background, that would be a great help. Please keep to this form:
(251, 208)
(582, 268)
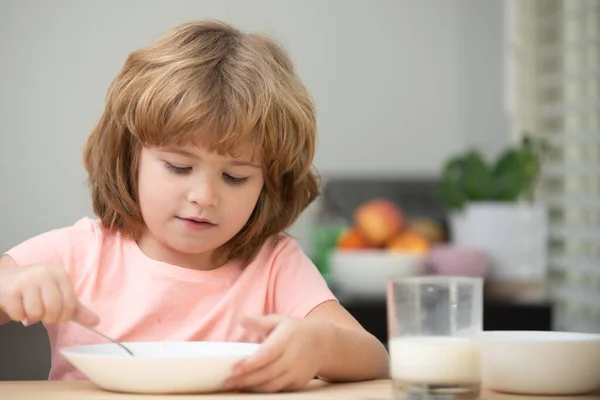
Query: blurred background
(481, 120)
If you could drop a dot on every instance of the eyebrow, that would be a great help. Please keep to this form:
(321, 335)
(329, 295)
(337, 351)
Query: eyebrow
(192, 155)
(244, 164)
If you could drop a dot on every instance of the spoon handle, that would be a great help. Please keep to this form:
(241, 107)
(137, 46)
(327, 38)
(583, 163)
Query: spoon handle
(105, 337)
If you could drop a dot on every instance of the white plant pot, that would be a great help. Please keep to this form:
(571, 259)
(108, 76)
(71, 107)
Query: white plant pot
(514, 235)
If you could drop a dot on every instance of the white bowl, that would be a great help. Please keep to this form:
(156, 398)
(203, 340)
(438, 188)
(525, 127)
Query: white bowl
(540, 363)
(364, 273)
(159, 367)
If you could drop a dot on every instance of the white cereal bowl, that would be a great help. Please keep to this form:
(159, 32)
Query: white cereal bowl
(540, 362)
(159, 367)
(364, 273)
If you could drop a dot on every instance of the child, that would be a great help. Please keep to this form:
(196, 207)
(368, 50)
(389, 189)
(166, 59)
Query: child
(200, 160)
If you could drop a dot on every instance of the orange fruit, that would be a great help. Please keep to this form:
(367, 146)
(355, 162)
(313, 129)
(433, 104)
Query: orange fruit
(409, 241)
(351, 238)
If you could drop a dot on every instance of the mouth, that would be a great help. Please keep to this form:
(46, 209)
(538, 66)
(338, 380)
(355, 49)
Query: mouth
(197, 222)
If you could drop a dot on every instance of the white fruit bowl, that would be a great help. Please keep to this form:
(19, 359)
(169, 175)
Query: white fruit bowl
(159, 367)
(540, 363)
(364, 273)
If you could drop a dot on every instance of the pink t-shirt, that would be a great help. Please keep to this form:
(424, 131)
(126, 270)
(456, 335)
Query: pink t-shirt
(140, 299)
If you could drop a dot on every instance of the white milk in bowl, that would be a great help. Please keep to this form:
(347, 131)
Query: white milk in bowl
(445, 362)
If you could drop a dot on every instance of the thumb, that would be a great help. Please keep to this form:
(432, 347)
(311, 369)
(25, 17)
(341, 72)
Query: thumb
(85, 316)
(263, 324)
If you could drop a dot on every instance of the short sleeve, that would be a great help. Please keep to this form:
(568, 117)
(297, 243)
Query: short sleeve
(298, 286)
(56, 247)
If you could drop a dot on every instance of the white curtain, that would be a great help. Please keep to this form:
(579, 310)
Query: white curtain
(554, 79)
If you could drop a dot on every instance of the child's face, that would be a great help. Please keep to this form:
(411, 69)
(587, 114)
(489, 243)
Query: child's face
(194, 201)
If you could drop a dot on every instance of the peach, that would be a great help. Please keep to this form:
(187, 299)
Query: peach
(350, 239)
(378, 220)
(409, 241)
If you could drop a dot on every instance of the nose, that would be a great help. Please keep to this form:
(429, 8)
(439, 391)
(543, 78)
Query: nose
(204, 193)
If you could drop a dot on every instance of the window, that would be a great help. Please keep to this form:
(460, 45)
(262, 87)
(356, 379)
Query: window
(554, 79)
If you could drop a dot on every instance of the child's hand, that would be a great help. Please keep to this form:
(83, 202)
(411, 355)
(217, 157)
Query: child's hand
(41, 293)
(288, 359)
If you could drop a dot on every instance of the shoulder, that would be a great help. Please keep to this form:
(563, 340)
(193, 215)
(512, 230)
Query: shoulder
(295, 286)
(61, 245)
(282, 255)
(87, 226)
(280, 248)
(84, 232)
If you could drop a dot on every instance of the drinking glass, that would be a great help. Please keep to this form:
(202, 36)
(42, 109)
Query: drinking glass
(434, 325)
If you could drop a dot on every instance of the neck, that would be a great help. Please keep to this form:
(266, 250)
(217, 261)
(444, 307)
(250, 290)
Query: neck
(157, 251)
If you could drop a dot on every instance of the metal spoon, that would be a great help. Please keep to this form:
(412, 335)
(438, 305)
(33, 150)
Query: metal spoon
(105, 337)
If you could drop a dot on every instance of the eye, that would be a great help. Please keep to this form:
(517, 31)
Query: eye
(233, 180)
(177, 170)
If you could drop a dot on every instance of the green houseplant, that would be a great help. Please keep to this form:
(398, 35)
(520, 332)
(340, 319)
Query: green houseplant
(492, 207)
(468, 177)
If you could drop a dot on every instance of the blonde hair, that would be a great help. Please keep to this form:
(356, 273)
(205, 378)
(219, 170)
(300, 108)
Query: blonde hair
(210, 84)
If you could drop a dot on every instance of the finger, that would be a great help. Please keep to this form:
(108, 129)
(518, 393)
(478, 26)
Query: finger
(32, 303)
(52, 301)
(14, 307)
(69, 300)
(274, 385)
(261, 376)
(272, 349)
(85, 316)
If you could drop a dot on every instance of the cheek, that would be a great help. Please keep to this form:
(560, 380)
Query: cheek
(153, 186)
(246, 201)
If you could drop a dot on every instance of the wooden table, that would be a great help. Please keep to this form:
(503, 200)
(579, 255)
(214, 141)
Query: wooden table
(316, 390)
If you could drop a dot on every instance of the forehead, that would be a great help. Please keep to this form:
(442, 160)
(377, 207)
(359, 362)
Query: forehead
(242, 152)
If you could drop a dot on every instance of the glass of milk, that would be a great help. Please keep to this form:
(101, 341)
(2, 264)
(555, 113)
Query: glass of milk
(434, 324)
